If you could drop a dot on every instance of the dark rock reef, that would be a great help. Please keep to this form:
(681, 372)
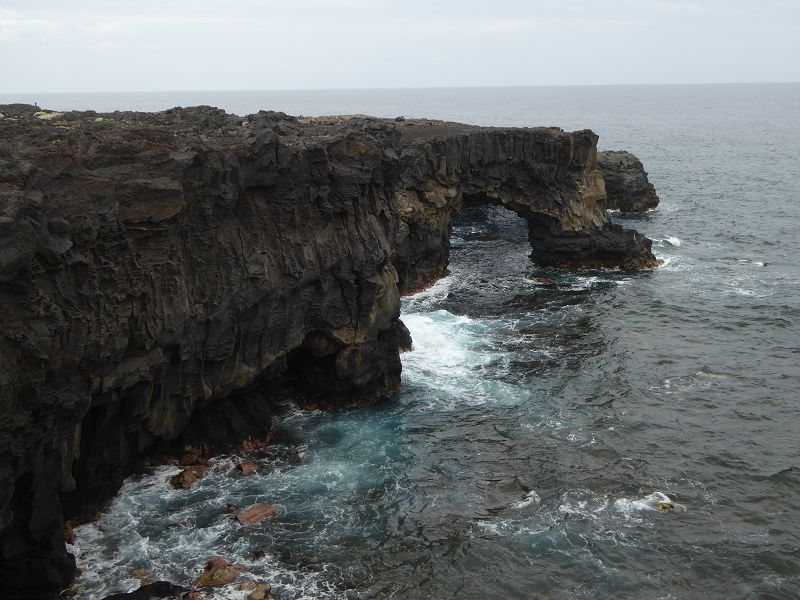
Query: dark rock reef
(164, 277)
(627, 187)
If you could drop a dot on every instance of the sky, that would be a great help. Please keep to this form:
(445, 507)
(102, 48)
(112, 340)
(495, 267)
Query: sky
(155, 45)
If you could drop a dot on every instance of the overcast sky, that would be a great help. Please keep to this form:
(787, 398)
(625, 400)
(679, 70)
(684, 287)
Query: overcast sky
(138, 45)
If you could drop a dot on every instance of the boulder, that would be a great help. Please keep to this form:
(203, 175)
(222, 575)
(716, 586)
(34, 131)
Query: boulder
(219, 572)
(628, 188)
(261, 592)
(187, 478)
(256, 514)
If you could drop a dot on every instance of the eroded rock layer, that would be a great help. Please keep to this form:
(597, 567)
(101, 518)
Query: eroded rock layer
(165, 275)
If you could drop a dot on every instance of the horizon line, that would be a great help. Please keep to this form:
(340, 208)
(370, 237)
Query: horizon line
(390, 88)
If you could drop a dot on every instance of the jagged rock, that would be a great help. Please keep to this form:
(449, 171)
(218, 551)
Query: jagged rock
(187, 478)
(256, 514)
(158, 589)
(219, 572)
(627, 187)
(165, 276)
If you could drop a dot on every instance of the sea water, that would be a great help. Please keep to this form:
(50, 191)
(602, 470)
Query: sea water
(546, 418)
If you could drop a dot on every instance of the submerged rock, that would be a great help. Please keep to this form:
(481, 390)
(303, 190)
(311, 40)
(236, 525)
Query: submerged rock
(256, 514)
(142, 574)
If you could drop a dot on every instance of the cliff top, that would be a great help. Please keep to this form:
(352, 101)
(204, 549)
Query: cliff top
(207, 122)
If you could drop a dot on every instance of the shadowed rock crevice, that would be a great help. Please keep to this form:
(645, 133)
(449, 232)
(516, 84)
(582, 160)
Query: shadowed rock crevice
(162, 275)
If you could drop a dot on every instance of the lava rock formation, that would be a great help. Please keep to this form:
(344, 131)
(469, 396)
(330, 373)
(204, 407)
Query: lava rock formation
(168, 275)
(627, 187)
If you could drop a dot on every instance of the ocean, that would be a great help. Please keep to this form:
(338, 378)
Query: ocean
(544, 415)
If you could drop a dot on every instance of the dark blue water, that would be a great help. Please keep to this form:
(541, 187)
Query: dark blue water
(543, 415)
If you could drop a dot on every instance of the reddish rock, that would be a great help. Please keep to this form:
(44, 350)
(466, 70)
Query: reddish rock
(247, 468)
(256, 513)
(219, 572)
(261, 592)
(188, 477)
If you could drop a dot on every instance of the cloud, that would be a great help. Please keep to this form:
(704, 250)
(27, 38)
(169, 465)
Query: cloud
(247, 44)
(468, 26)
(14, 26)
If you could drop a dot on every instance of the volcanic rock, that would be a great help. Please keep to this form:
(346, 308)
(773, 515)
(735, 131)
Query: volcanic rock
(158, 589)
(627, 187)
(165, 277)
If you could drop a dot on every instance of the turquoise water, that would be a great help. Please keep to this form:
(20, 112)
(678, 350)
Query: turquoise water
(543, 415)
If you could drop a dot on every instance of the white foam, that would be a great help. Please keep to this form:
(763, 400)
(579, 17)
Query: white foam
(585, 283)
(576, 437)
(655, 502)
(170, 533)
(449, 357)
(751, 263)
(710, 376)
(673, 241)
(584, 503)
(530, 499)
(429, 296)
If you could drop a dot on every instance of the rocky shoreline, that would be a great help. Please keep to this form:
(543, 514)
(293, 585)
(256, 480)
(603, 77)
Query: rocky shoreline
(166, 276)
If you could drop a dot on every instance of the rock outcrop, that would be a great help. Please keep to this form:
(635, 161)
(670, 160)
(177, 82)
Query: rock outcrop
(627, 187)
(164, 276)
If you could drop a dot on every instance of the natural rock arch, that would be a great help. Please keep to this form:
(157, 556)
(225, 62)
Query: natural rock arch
(547, 176)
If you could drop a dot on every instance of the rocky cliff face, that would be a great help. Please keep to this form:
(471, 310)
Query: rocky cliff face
(627, 187)
(165, 275)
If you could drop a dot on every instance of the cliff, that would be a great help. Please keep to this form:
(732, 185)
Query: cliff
(163, 276)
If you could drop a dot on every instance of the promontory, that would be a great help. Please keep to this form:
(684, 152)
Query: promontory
(164, 275)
